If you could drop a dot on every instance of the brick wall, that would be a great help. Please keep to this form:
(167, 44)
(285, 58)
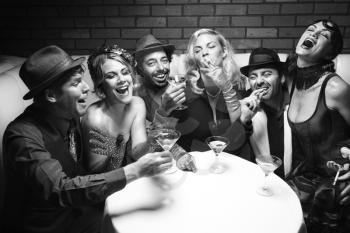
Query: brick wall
(80, 25)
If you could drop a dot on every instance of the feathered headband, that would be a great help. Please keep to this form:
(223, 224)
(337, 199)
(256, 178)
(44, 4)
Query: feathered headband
(113, 49)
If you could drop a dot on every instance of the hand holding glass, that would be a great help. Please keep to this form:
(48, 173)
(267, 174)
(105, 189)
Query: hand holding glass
(166, 138)
(176, 80)
(268, 163)
(217, 144)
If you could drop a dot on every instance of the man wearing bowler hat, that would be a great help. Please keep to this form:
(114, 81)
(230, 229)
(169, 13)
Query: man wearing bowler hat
(47, 187)
(153, 66)
(267, 105)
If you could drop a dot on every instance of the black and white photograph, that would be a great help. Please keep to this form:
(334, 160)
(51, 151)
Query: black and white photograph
(174, 116)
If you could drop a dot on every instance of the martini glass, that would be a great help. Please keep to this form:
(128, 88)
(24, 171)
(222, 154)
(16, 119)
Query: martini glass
(166, 138)
(267, 163)
(217, 144)
(176, 80)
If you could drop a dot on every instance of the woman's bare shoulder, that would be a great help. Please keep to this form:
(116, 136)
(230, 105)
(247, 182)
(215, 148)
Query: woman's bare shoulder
(337, 88)
(138, 100)
(137, 108)
(338, 94)
(92, 117)
(137, 103)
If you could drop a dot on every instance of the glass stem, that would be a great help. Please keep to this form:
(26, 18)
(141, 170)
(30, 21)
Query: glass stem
(265, 182)
(172, 158)
(216, 161)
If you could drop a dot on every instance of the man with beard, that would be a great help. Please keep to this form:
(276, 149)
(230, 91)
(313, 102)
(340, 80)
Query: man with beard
(267, 105)
(153, 65)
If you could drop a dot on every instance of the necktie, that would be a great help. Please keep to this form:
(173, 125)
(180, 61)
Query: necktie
(72, 135)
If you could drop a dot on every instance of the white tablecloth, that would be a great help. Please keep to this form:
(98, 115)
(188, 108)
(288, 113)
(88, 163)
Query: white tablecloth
(202, 202)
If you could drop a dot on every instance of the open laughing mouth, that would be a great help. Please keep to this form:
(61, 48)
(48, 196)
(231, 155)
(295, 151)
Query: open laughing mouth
(160, 77)
(122, 90)
(308, 43)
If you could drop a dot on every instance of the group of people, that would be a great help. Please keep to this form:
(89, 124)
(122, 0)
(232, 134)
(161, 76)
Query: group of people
(63, 158)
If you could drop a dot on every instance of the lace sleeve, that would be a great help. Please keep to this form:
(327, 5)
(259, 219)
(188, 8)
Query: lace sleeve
(232, 101)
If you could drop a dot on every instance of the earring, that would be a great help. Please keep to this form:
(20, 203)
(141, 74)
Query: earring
(225, 53)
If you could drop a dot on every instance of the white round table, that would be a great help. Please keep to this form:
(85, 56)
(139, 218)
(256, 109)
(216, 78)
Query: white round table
(206, 203)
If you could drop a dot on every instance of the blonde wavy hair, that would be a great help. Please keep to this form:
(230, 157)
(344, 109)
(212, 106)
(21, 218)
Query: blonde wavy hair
(229, 65)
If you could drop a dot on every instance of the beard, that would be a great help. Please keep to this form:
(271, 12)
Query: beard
(157, 80)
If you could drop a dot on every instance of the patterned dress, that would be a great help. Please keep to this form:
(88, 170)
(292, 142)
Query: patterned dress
(114, 148)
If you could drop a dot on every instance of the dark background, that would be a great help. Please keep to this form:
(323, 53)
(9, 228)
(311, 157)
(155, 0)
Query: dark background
(81, 25)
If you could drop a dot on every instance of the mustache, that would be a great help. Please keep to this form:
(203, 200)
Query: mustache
(164, 71)
(262, 86)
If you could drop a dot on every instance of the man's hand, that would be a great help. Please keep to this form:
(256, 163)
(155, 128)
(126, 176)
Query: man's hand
(345, 193)
(250, 105)
(173, 96)
(246, 114)
(153, 163)
(186, 163)
(345, 152)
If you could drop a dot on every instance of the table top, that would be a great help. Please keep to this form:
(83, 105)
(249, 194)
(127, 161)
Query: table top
(206, 203)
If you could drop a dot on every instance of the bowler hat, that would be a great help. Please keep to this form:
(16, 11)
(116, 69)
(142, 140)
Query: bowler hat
(44, 67)
(262, 57)
(149, 43)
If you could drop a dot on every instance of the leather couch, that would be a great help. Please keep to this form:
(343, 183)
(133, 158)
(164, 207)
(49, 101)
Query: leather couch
(12, 89)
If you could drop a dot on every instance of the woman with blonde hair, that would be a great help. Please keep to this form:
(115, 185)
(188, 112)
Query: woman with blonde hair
(213, 98)
(229, 65)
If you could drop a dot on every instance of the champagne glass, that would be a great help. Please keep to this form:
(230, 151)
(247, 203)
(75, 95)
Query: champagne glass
(217, 144)
(268, 163)
(176, 80)
(167, 138)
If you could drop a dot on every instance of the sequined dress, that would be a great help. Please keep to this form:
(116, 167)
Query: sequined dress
(114, 148)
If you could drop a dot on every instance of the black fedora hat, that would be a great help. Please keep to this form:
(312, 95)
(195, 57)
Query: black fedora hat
(45, 66)
(262, 57)
(149, 43)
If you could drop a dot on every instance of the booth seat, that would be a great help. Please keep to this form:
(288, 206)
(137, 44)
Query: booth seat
(12, 89)
(8, 62)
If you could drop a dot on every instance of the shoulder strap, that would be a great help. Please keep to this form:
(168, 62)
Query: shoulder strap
(324, 84)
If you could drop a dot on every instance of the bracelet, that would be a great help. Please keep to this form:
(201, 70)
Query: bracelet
(177, 151)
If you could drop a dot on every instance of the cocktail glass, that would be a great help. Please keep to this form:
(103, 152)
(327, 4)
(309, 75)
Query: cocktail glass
(217, 144)
(167, 138)
(268, 164)
(176, 80)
